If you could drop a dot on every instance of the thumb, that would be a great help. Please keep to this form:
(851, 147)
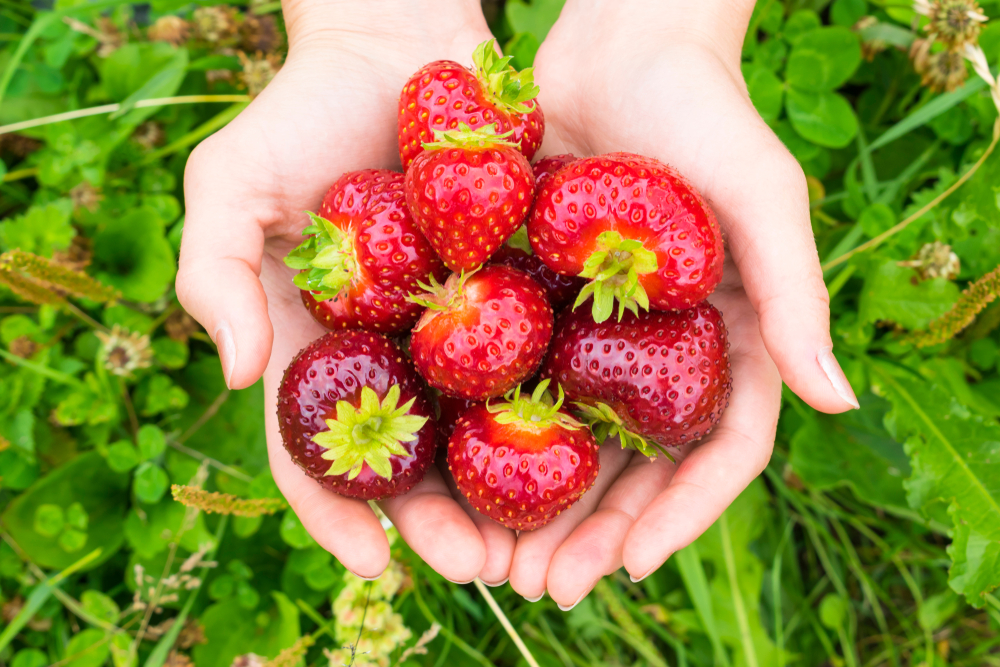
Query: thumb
(217, 278)
(771, 241)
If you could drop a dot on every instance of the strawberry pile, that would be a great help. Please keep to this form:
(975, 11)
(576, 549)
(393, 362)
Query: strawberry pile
(521, 314)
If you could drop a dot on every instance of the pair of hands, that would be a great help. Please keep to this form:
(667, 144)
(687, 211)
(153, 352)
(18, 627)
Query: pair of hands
(660, 79)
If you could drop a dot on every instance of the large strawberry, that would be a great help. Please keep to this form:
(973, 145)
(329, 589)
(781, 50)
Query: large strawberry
(655, 378)
(364, 255)
(469, 191)
(517, 253)
(523, 461)
(482, 333)
(549, 165)
(443, 94)
(353, 414)
(632, 225)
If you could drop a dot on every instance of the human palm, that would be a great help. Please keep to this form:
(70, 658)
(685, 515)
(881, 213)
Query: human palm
(608, 86)
(331, 109)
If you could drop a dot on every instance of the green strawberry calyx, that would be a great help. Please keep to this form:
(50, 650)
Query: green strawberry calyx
(536, 412)
(506, 87)
(465, 137)
(438, 297)
(613, 271)
(370, 433)
(326, 260)
(519, 240)
(604, 422)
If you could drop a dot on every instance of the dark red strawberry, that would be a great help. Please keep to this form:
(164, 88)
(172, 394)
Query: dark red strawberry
(635, 227)
(662, 376)
(364, 256)
(560, 289)
(443, 94)
(482, 333)
(468, 193)
(450, 409)
(353, 414)
(523, 461)
(548, 165)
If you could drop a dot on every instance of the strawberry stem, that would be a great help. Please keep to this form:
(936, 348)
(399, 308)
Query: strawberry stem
(506, 87)
(519, 240)
(604, 422)
(370, 433)
(614, 271)
(326, 260)
(465, 137)
(441, 297)
(536, 411)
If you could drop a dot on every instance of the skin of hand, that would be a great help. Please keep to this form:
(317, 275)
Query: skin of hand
(662, 79)
(331, 109)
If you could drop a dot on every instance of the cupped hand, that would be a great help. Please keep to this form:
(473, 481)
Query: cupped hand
(331, 109)
(663, 80)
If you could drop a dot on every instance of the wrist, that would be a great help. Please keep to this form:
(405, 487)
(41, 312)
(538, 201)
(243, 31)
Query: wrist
(326, 22)
(717, 25)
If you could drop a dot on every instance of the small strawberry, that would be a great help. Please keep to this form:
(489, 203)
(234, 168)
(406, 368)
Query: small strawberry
(468, 192)
(443, 94)
(657, 377)
(450, 410)
(517, 253)
(548, 165)
(523, 461)
(482, 333)
(353, 415)
(632, 225)
(364, 256)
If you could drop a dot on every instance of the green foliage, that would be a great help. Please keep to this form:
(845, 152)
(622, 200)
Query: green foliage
(871, 540)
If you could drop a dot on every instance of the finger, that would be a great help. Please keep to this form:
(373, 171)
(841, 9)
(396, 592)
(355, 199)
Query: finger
(716, 470)
(217, 278)
(498, 540)
(534, 550)
(345, 527)
(438, 529)
(594, 548)
(760, 194)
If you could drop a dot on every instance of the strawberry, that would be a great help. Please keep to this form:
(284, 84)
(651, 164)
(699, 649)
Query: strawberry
(482, 333)
(517, 253)
(443, 94)
(450, 409)
(364, 255)
(353, 414)
(548, 165)
(632, 225)
(468, 192)
(523, 461)
(656, 379)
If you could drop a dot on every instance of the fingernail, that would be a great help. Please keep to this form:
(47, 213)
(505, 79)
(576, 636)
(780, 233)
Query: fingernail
(534, 599)
(585, 594)
(499, 583)
(650, 571)
(461, 583)
(835, 374)
(227, 349)
(365, 578)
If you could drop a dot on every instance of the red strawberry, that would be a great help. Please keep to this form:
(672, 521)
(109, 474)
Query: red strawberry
(522, 462)
(353, 415)
(548, 165)
(482, 333)
(468, 193)
(635, 227)
(451, 410)
(517, 253)
(364, 256)
(443, 94)
(665, 375)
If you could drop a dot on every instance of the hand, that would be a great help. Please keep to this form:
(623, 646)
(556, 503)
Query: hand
(612, 81)
(331, 109)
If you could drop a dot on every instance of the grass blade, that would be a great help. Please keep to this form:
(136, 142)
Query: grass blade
(927, 113)
(746, 639)
(696, 583)
(505, 622)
